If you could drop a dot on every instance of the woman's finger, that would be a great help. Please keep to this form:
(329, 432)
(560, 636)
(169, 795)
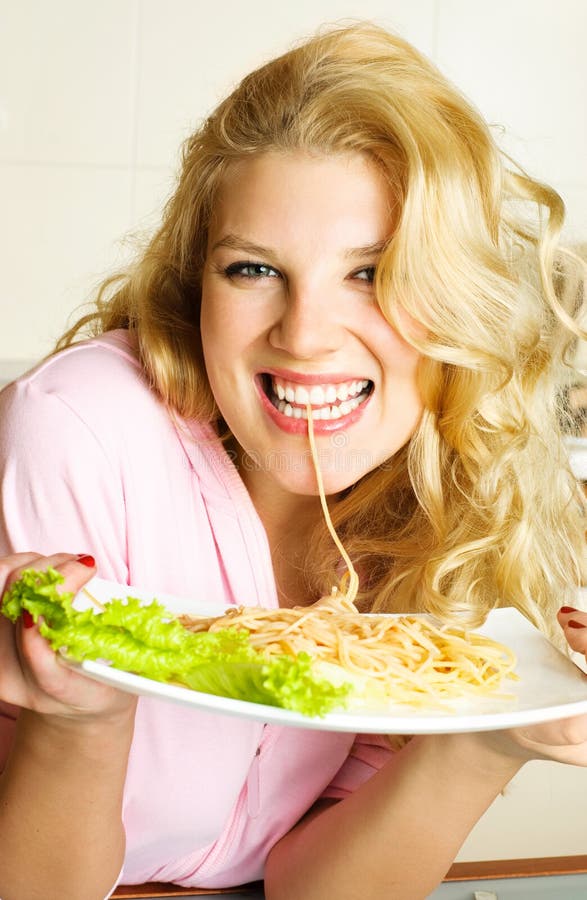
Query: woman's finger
(564, 740)
(29, 664)
(9, 565)
(49, 682)
(75, 568)
(574, 624)
(32, 676)
(76, 571)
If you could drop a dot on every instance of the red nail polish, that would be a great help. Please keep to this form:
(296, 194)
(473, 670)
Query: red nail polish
(86, 560)
(567, 609)
(27, 619)
(573, 624)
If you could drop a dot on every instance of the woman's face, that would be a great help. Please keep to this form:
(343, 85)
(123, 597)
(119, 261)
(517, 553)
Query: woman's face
(289, 315)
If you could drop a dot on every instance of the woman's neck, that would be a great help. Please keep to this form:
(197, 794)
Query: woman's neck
(289, 525)
(289, 520)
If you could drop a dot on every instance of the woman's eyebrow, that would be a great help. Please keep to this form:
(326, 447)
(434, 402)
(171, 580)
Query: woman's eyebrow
(234, 242)
(367, 250)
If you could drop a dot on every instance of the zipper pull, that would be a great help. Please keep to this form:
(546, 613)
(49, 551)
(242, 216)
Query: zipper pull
(254, 787)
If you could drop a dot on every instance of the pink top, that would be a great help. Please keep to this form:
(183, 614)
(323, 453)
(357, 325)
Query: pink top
(91, 461)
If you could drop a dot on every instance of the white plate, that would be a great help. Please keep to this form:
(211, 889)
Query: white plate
(550, 685)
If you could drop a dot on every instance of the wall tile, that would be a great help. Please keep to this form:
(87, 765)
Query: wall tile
(67, 81)
(524, 64)
(542, 813)
(63, 234)
(152, 187)
(189, 60)
(575, 197)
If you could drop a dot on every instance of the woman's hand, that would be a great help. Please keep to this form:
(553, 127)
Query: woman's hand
(32, 676)
(574, 624)
(72, 739)
(564, 740)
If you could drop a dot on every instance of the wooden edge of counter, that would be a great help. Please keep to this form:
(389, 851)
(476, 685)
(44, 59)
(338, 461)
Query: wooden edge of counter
(158, 889)
(517, 868)
(480, 870)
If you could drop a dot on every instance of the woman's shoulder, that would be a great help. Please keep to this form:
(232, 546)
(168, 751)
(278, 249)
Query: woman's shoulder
(101, 377)
(96, 386)
(101, 384)
(108, 361)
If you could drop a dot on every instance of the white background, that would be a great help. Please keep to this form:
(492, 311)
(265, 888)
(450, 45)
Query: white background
(95, 98)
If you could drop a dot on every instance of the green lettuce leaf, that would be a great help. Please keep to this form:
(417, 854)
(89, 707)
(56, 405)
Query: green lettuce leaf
(280, 681)
(147, 640)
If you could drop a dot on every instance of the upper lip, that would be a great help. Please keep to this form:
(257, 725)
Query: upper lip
(307, 378)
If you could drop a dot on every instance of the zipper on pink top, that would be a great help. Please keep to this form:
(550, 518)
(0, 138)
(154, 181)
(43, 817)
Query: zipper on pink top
(254, 786)
(268, 738)
(248, 804)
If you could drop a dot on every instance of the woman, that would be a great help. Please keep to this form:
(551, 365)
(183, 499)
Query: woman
(342, 233)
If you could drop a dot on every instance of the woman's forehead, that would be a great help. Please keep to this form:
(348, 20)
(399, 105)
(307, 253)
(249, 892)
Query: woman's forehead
(275, 192)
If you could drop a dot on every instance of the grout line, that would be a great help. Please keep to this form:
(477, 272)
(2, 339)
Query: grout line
(134, 111)
(435, 29)
(75, 164)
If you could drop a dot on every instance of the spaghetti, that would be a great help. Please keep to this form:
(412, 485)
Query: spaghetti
(400, 659)
(405, 659)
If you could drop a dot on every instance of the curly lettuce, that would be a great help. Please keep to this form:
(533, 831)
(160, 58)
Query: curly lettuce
(147, 640)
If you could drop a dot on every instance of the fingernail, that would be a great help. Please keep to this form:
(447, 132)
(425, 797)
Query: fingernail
(573, 624)
(567, 609)
(27, 619)
(86, 560)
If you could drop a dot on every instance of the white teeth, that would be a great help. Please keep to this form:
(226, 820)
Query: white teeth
(317, 396)
(301, 396)
(330, 401)
(323, 412)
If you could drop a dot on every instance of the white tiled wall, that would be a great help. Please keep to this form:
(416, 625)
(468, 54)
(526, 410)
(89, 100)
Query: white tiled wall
(524, 64)
(96, 97)
(94, 100)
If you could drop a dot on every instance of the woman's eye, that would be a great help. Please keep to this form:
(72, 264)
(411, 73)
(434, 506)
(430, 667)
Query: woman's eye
(250, 270)
(367, 274)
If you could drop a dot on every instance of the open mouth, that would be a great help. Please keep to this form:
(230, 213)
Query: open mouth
(328, 401)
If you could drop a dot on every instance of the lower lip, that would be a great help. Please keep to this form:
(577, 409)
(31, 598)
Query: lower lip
(300, 426)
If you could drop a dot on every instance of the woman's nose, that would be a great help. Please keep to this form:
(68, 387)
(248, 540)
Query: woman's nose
(308, 326)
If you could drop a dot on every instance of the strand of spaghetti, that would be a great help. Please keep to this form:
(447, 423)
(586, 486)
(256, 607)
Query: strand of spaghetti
(96, 602)
(353, 585)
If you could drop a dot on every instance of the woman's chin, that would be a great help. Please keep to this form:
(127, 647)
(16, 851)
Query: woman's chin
(303, 481)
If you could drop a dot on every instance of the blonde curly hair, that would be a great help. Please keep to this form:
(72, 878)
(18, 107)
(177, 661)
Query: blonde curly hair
(480, 508)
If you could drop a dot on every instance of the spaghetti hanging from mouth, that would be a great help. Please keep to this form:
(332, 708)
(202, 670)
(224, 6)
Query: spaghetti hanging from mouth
(389, 658)
(352, 586)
